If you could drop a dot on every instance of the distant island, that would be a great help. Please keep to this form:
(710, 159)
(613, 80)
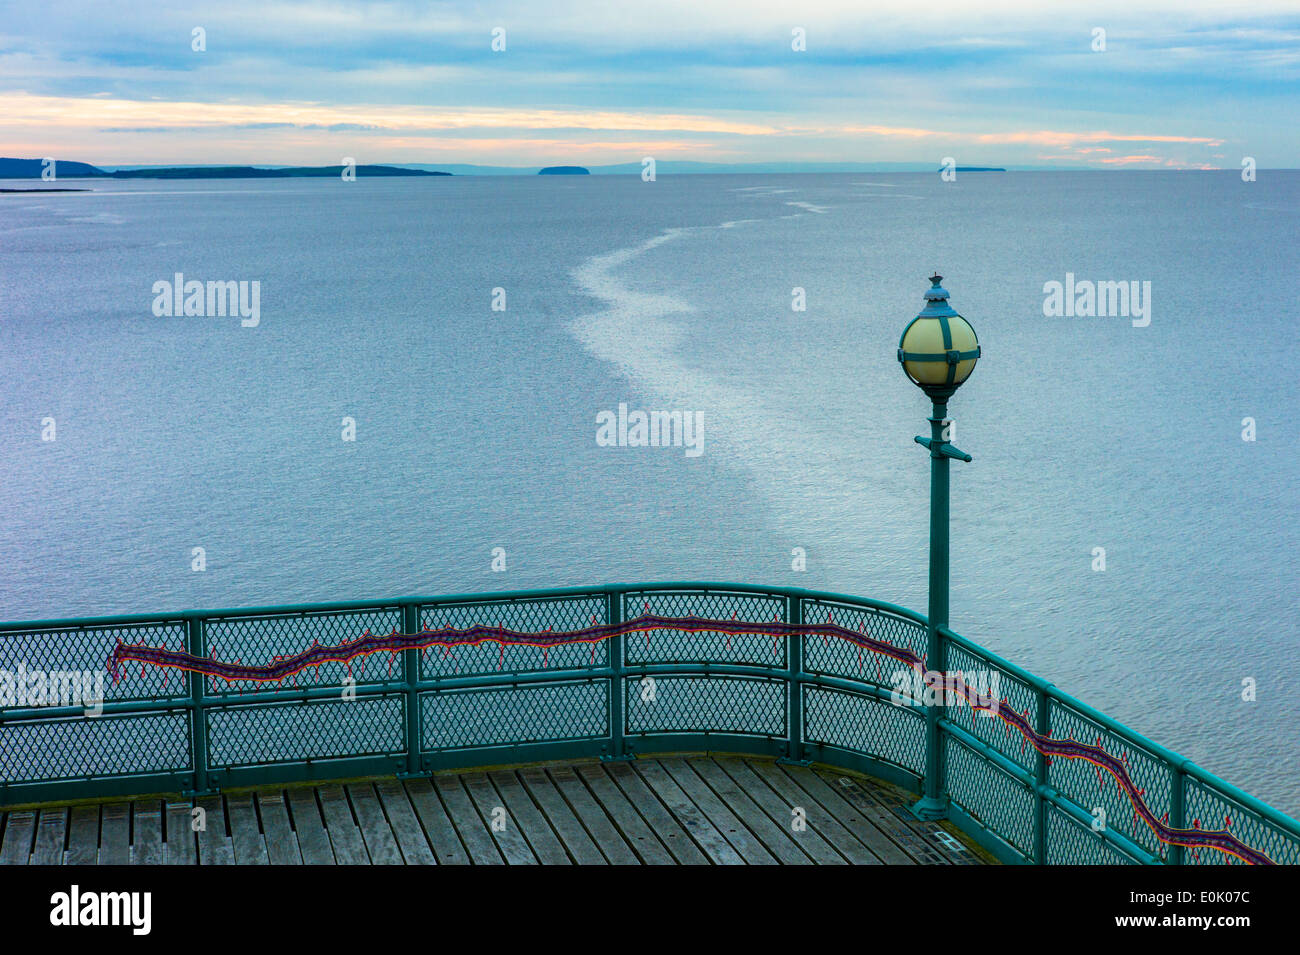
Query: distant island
(979, 169)
(564, 171)
(32, 169)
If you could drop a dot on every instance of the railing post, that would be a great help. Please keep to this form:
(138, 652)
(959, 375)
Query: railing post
(411, 693)
(1042, 717)
(194, 639)
(794, 680)
(933, 804)
(614, 707)
(1177, 812)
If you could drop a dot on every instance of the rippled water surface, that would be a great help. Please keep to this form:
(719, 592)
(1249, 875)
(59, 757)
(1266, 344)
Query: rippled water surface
(476, 428)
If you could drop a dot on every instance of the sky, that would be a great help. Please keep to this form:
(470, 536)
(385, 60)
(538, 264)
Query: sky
(1184, 84)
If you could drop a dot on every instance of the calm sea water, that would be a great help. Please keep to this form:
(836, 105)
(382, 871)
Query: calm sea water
(475, 428)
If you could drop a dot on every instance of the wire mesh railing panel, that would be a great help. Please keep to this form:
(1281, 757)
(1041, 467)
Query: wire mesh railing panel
(1208, 808)
(996, 800)
(87, 748)
(831, 656)
(524, 616)
(1069, 842)
(863, 724)
(985, 677)
(706, 704)
(295, 732)
(677, 646)
(1100, 793)
(69, 666)
(495, 716)
(263, 639)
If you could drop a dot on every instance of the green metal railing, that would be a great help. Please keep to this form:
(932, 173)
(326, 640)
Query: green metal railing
(802, 699)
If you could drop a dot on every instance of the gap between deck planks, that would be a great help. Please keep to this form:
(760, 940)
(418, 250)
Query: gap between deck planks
(666, 810)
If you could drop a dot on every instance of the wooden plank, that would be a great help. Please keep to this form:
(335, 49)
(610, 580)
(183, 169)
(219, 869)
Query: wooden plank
(695, 822)
(438, 827)
(313, 840)
(627, 821)
(733, 830)
(20, 831)
(469, 825)
(182, 846)
(281, 841)
(345, 837)
(375, 830)
(576, 841)
(899, 802)
(147, 824)
(541, 837)
(51, 835)
(245, 833)
(955, 846)
(406, 827)
(917, 838)
(115, 834)
(856, 821)
(660, 820)
(778, 838)
(504, 827)
(613, 840)
(83, 836)
(830, 828)
(214, 845)
(818, 847)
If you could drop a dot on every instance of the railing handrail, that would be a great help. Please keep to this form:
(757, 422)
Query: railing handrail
(180, 616)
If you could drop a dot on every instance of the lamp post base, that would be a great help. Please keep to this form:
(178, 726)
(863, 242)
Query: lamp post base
(930, 809)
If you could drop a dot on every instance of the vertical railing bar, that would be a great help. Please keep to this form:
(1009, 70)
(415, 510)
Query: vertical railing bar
(1177, 811)
(934, 802)
(195, 637)
(614, 705)
(410, 623)
(794, 681)
(1042, 723)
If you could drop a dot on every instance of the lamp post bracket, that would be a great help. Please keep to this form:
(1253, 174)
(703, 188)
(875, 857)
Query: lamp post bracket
(943, 449)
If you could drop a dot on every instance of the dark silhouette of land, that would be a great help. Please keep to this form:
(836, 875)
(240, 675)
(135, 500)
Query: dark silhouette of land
(257, 172)
(33, 169)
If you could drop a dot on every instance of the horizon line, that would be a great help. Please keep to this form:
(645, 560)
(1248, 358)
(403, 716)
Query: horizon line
(631, 167)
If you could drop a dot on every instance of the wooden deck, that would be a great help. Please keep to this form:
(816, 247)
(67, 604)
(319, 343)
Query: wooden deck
(695, 810)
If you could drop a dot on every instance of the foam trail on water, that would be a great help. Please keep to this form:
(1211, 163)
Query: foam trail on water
(804, 477)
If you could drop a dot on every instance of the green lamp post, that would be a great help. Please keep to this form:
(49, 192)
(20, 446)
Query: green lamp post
(938, 351)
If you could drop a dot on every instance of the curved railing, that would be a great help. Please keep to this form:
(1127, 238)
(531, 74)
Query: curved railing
(204, 700)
